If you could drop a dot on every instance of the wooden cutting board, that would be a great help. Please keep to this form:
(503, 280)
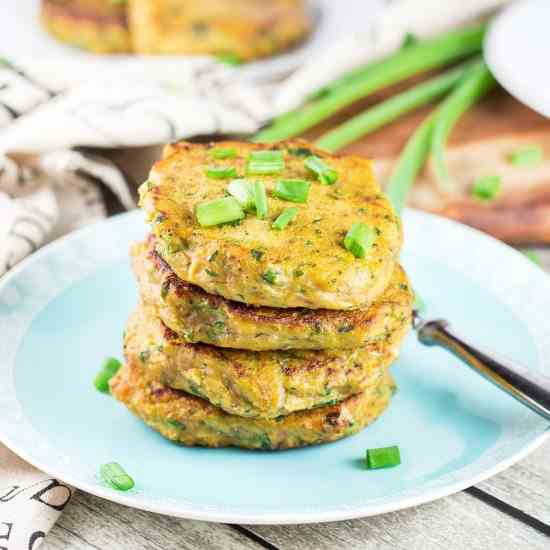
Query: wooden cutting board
(480, 145)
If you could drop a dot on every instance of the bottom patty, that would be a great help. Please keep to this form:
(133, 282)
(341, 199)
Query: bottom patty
(195, 422)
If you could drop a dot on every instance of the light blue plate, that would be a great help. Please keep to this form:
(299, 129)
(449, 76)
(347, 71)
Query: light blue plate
(63, 311)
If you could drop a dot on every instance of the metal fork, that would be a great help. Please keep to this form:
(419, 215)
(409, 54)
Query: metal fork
(529, 388)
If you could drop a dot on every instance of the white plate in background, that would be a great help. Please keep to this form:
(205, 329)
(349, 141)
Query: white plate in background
(517, 50)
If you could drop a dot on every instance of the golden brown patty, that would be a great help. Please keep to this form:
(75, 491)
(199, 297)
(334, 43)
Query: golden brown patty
(96, 25)
(263, 384)
(304, 265)
(193, 421)
(242, 29)
(200, 317)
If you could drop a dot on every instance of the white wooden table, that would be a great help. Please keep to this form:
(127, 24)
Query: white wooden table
(511, 511)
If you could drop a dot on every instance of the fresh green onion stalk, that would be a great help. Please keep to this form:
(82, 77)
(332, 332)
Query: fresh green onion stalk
(421, 57)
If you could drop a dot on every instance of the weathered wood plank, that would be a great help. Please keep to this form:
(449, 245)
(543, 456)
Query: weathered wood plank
(525, 486)
(454, 523)
(90, 523)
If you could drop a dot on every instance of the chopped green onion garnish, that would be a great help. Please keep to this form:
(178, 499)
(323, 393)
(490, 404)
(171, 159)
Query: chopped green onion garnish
(230, 58)
(115, 476)
(224, 153)
(265, 162)
(532, 255)
(219, 211)
(264, 168)
(243, 191)
(284, 218)
(109, 369)
(409, 40)
(221, 172)
(486, 188)
(292, 190)
(384, 457)
(269, 276)
(359, 239)
(267, 155)
(527, 156)
(260, 200)
(325, 174)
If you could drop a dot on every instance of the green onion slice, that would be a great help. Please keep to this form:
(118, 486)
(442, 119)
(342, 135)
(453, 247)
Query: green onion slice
(284, 218)
(116, 477)
(292, 190)
(269, 276)
(325, 174)
(264, 167)
(267, 155)
(486, 188)
(243, 191)
(219, 211)
(221, 172)
(221, 153)
(527, 156)
(109, 369)
(383, 457)
(532, 256)
(359, 239)
(260, 200)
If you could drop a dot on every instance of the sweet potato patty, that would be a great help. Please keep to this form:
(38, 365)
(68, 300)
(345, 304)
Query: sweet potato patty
(200, 317)
(304, 265)
(242, 29)
(193, 421)
(96, 25)
(263, 384)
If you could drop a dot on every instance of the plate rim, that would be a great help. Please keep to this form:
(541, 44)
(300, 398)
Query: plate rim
(186, 511)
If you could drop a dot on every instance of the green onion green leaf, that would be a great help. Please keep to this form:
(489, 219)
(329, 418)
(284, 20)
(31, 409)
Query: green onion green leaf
(384, 457)
(532, 255)
(221, 172)
(260, 200)
(269, 276)
(476, 84)
(264, 167)
(230, 58)
(292, 190)
(527, 156)
(267, 155)
(325, 174)
(425, 55)
(116, 477)
(359, 239)
(284, 218)
(486, 188)
(109, 369)
(243, 191)
(219, 211)
(221, 153)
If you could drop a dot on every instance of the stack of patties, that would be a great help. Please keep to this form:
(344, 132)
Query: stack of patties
(272, 299)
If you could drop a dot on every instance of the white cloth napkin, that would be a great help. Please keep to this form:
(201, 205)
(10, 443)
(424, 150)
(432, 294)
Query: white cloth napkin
(48, 188)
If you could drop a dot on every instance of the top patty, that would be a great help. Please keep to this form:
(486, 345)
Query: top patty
(304, 265)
